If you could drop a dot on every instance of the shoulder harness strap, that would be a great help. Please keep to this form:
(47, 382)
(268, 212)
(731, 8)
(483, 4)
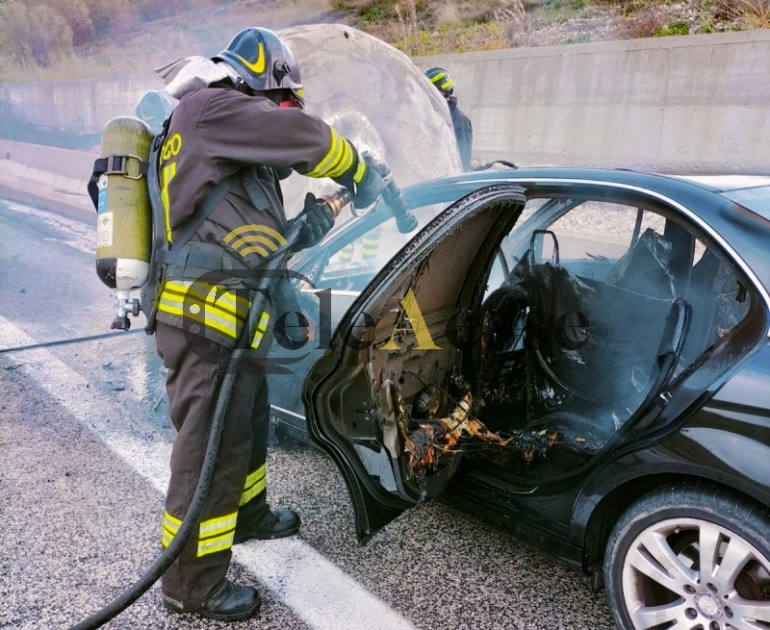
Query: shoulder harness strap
(250, 179)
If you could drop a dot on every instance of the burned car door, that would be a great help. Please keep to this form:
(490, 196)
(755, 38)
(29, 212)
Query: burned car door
(389, 385)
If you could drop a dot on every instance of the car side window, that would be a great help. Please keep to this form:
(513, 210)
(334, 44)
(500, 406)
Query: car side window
(352, 264)
(596, 232)
(587, 239)
(592, 235)
(718, 297)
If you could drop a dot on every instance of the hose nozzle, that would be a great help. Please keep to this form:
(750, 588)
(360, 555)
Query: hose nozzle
(405, 220)
(336, 201)
(391, 195)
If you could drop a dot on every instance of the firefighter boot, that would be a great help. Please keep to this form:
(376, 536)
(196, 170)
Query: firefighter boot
(265, 524)
(231, 602)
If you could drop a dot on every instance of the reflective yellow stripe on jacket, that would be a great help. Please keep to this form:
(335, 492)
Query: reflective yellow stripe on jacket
(339, 160)
(221, 311)
(261, 329)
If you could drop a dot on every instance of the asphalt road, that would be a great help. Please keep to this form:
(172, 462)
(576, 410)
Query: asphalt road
(84, 446)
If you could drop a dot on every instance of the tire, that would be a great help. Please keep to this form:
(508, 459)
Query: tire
(653, 569)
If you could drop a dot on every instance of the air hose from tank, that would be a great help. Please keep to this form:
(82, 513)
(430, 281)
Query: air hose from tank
(62, 342)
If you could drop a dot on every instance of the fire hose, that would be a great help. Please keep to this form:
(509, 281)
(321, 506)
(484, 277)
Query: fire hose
(62, 342)
(335, 202)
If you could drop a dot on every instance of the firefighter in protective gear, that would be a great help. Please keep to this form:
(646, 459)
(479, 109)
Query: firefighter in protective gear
(249, 127)
(461, 123)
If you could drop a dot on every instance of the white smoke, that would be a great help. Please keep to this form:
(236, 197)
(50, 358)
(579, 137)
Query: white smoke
(376, 97)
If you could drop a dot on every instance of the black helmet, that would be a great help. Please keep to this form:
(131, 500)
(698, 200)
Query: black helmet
(264, 62)
(441, 79)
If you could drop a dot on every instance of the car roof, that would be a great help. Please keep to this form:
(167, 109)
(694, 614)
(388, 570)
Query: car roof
(742, 231)
(727, 183)
(692, 191)
(660, 182)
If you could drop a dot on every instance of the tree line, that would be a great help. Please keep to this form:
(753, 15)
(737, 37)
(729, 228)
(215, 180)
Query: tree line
(35, 32)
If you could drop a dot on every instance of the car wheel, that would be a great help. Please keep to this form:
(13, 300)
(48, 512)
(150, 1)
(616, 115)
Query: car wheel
(690, 557)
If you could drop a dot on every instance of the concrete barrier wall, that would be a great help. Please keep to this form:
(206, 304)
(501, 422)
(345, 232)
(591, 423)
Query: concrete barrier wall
(72, 164)
(83, 105)
(687, 104)
(695, 103)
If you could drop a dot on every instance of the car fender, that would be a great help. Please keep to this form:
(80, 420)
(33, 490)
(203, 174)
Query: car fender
(706, 449)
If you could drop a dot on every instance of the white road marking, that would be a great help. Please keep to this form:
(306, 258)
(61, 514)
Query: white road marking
(319, 593)
(81, 237)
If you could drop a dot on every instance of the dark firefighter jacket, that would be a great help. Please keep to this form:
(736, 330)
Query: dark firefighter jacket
(215, 133)
(463, 132)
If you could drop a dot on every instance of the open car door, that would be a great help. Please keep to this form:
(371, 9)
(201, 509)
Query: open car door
(398, 343)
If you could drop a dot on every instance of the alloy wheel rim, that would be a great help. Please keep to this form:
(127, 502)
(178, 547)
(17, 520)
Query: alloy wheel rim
(694, 574)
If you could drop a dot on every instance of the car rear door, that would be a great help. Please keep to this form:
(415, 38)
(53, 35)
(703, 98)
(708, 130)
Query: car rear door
(399, 336)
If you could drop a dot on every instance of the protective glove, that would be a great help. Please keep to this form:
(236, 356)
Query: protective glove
(372, 184)
(318, 221)
(292, 327)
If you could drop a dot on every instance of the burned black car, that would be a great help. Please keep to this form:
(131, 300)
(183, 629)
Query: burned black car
(583, 353)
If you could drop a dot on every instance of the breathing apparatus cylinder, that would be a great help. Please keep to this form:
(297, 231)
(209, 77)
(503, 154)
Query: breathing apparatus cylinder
(124, 213)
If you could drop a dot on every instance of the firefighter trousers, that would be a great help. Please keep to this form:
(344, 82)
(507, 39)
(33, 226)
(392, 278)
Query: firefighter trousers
(237, 496)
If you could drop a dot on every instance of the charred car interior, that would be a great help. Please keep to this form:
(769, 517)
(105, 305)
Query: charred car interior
(578, 356)
(538, 332)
